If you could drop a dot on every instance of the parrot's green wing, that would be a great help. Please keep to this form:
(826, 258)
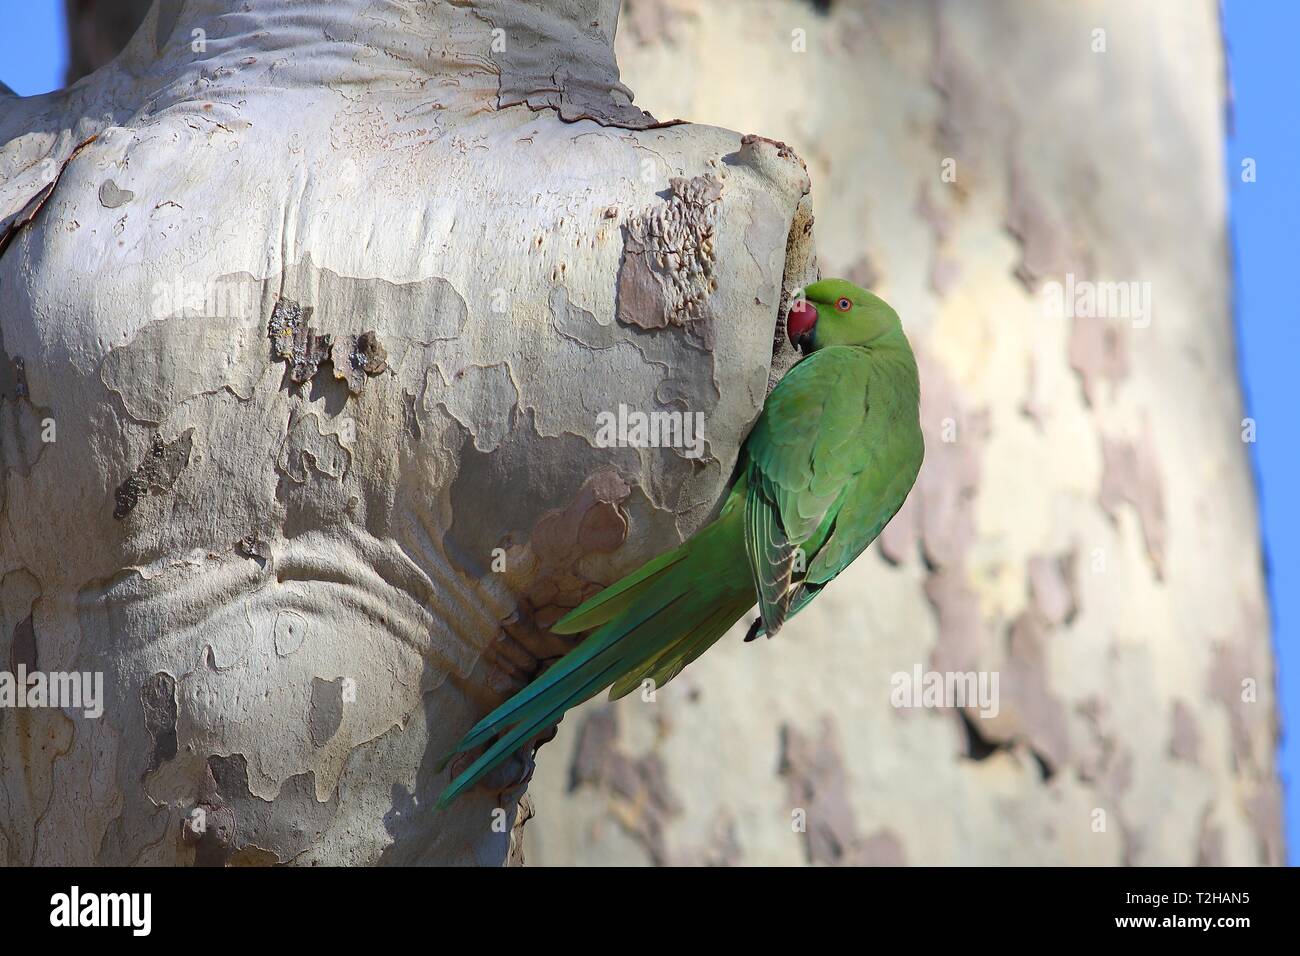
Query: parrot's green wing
(823, 473)
(874, 499)
(806, 451)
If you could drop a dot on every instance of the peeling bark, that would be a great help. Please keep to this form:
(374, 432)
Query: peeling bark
(1084, 525)
(1070, 531)
(324, 330)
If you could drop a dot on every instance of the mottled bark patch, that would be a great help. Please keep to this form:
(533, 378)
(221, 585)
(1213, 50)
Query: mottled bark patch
(550, 573)
(1046, 245)
(961, 629)
(641, 798)
(203, 340)
(883, 848)
(1131, 475)
(22, 424)
(818, 792)
(1236, 683)
(1053, 587)
(484, 400)
(651, 22)
(544, 544)
(111, 195)
(325, 714)
(308, 451)
(19, 591)
(1105, 763)
(209, 827)
(662, 374)
(158, 700)
(1264, 811)
(282, 828)
(939, 515)
(13, 375)
(295, 341)
(157, 473)
(591, 522)
(1029, 709)
(970, 114)
(1184, 735)
(209, 337)
(22, 652)
(360, 358)
(1209, 843)
(940, 511)
(667, 272)
(816, 786)
(1098, 353)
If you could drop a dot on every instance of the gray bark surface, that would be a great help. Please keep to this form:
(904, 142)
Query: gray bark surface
(307, 313)
(1084, 527)
(1085, 522)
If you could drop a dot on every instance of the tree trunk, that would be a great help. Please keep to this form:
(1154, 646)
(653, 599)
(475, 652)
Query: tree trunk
(1084, 526)
(98, 30)
(308, 313)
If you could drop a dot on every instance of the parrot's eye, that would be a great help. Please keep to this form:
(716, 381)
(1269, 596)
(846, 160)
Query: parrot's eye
(843, 305)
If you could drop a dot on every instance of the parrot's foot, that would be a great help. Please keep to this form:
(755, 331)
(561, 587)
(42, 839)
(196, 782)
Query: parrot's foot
(753, 630)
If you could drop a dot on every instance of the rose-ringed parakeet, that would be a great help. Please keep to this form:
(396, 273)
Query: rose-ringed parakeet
(828, 463)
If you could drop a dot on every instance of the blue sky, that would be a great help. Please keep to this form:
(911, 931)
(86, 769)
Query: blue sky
(32, 45)
(1265, 226)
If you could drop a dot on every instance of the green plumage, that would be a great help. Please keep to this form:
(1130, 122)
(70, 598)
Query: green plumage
(828, 463)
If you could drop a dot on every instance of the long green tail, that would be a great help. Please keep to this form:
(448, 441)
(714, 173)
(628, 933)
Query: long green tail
(648, 626)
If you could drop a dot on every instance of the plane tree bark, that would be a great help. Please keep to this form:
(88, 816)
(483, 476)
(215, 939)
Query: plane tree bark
(308, 315)
(1084, 527)
(977, 153)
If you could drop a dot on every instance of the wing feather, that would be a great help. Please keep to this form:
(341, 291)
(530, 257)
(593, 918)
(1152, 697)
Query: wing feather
(825, 475)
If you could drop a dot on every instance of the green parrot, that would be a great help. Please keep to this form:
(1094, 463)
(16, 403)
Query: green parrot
(829, 462)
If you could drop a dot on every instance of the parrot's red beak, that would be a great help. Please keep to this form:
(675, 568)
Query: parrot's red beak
(799, 324)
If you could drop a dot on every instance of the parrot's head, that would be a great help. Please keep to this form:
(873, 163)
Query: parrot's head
(837, 312)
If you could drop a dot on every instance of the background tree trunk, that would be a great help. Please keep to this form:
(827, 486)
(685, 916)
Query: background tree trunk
(98, 30)
(1085, 523)
(307, 314)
